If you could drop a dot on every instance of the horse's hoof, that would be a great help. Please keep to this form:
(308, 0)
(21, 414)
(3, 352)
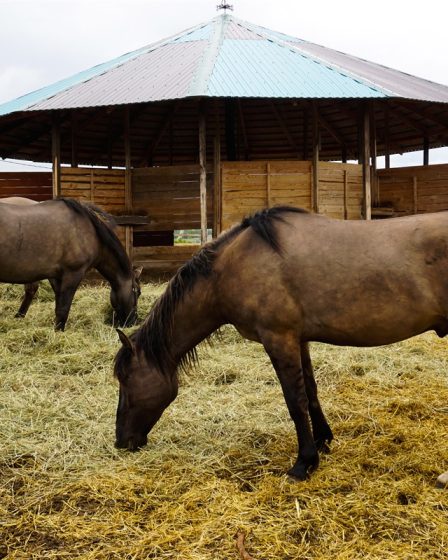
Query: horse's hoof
(295, 476)
(322, 445)
(442, 481)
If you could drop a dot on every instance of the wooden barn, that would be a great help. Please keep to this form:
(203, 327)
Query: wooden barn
(198, 130)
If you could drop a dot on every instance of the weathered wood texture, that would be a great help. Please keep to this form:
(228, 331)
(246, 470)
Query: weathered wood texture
(171, 197)
(159, 260)
(250, 186)
(37, 186)
(103, 187)
(411, 190)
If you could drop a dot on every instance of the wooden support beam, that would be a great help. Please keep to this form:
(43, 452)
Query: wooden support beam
(166, 120)
(367, 185)
(285, 129)
(56, 156)
(129, 230)
(243, 130)
(316, 147)
(374, 155)
(203, 170)
(305, 135)
(426, 151)
(415, 194)
(268, 184)
(345, 194)
(387, 137)
(217, 193)
(74, 160)
(332, 130)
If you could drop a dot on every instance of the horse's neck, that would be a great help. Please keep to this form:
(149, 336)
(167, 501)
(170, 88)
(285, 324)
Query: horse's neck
(108, 265)
(195, 318)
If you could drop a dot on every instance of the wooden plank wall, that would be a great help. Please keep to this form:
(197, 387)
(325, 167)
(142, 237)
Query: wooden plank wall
(34, 185)
(102, 187)
(250, 186)
(414, 190)
(170, 196)
(340, 190)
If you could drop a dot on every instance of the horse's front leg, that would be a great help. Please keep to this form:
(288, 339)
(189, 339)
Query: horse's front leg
(323, 435)
(284, 351)
(64, 289)
(30, 292)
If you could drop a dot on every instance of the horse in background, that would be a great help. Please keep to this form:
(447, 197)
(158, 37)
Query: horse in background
(30, 289)
(61, 240)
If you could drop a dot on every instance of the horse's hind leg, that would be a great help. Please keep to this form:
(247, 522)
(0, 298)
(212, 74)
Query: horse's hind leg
(321, 429)
(30, 292)
(284, 351)
(64, 289)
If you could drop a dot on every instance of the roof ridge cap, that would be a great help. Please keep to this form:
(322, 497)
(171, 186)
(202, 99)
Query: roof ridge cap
(202, 76)
(314, 58)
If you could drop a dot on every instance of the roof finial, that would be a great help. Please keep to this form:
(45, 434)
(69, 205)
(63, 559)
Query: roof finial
(224, 6)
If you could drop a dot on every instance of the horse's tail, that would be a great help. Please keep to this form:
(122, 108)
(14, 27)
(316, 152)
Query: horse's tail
(264, 221)
(104, 225)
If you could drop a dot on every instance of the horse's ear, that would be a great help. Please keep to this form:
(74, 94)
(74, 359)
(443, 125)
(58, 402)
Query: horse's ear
(138, 271)
(126, 341)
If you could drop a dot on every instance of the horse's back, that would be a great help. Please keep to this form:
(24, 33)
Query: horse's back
(345, 282)
(18, 201)
(39, 240)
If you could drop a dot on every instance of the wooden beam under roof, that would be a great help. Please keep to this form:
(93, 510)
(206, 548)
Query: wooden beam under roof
(284, 128)
(148, 150)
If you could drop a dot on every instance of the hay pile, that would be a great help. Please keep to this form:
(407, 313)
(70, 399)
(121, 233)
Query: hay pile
(216, 461)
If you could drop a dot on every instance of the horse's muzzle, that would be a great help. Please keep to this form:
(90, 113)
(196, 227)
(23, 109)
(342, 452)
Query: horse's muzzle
(133, 443)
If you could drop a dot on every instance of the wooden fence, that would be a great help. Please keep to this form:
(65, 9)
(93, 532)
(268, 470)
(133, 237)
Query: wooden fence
(249, 186)
(34, 185)
(414, 190)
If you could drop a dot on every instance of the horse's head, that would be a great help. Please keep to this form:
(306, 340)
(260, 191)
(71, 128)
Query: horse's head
(124, 298)
(145, 392)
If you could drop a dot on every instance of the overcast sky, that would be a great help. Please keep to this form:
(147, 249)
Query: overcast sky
(42, 41)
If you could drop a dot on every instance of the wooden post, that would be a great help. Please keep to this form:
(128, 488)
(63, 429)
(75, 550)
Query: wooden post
(316, 146)
(345, 194)
(268, 184)
(56, 156)
(426, 151)
(203, 171)
(128, 179)
(367, 184)
(74, 140)
(217, 196)
(387, 141)
(305, 135)
(373, 171)
(415, 194)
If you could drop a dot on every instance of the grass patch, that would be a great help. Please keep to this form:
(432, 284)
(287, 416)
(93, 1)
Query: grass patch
(216, 461)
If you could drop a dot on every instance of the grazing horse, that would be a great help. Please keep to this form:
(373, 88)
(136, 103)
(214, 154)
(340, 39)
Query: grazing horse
(30, 289)
(60, 240)
(284, 278)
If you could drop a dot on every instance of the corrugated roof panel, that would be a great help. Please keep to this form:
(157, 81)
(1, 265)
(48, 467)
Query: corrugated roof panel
(30, 99)
(232, 58)
(267, 69)
(201, 34)
(398, 83)
(164, 73)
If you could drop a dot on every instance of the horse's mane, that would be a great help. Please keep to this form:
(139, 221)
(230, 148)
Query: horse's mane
(103, 224)
(154, 336)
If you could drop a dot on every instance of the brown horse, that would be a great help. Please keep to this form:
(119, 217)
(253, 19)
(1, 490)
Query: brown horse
(285, 278)
(30, 289)
(60, 240)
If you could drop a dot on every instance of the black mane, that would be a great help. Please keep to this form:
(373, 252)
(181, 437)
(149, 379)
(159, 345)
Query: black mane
(154, 336)
(103, 224)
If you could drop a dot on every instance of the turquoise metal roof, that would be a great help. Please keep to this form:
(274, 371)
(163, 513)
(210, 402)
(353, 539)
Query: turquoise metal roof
(227, 57)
